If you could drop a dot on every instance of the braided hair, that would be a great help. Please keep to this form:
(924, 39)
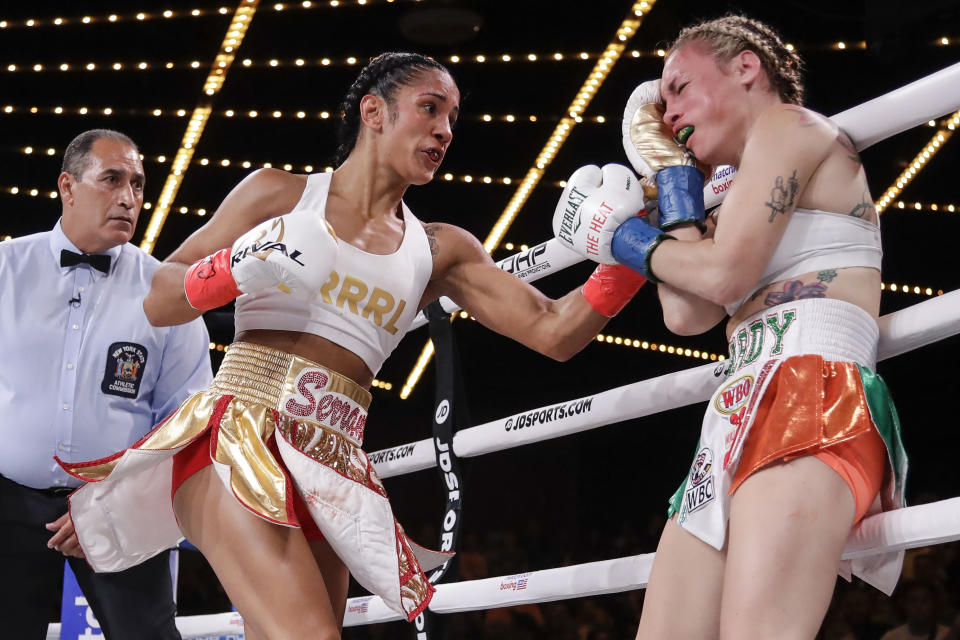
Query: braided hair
(732, 34)
(381, 77)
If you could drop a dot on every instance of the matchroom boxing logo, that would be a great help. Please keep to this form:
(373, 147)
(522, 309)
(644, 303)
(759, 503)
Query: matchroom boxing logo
(722, 178)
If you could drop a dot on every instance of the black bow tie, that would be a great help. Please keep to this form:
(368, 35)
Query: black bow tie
(72, 259)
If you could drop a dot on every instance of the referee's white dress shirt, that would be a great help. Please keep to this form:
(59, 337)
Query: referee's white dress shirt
(83, 374)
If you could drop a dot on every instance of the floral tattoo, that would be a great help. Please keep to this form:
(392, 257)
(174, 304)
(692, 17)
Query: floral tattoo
(797, 290)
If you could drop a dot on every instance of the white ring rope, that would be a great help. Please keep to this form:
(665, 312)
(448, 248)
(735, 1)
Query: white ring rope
(908, 528)
(900, 332)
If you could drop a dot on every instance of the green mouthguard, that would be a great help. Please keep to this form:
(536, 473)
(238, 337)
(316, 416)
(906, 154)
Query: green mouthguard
(684, 133)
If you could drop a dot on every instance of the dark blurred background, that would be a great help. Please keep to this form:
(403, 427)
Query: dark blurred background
(585, 497)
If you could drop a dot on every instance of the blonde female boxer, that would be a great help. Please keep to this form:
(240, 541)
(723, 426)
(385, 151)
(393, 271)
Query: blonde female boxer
(800, 439)
(264, 472)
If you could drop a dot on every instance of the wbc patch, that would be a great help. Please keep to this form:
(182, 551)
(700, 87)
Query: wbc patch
(699, 490)
(126, 362)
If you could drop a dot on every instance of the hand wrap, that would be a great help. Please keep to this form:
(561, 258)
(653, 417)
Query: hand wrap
(611, 287)
(634, 243)
(209, 284)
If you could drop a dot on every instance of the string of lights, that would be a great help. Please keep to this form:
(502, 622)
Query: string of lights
(353, 60)
(142, 65)
(906, 288)
(916, 165)
(594, 80)
(214, 82)
(467, 178)
(168, 14)
(635, 343)
(112, 18)
(927, 206)
(639, 344)
(296, 114)
(275, 114)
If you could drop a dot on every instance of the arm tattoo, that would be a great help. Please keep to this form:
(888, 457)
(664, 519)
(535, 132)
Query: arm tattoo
(782, 195)
(431, 231)
(847, 144)
(865, 209)
(796, 290)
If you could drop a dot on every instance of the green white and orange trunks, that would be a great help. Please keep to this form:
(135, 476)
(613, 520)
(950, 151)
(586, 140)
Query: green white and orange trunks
(800, 381)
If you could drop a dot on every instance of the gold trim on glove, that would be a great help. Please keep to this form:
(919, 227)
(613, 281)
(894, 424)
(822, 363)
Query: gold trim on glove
(653, 139)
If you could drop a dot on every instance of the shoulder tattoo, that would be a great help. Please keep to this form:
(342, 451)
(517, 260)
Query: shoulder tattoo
(431, 230)
(804, 117)
(783, 195)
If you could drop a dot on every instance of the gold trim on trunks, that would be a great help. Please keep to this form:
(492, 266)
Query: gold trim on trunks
(262, 374)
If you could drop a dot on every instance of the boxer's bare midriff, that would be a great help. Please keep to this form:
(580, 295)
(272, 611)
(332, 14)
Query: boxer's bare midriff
(856, 285)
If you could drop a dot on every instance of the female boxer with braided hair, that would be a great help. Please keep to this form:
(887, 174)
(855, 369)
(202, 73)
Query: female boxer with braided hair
(794, 445)
(801, 438)
(265, 468)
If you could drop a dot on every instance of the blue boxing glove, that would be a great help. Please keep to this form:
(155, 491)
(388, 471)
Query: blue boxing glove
(659, 157)
(633, 244)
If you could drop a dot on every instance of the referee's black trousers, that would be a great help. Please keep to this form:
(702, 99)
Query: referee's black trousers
(136, 604)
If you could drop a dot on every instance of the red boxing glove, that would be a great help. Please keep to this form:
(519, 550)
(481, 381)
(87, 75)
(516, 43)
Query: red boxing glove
(611, 287)
(209, 282)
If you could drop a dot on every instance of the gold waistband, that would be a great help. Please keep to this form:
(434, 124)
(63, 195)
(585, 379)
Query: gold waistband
(256, 373)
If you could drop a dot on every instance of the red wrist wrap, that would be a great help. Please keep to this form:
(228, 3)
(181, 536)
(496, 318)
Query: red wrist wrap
(611, 287)
(209, 283)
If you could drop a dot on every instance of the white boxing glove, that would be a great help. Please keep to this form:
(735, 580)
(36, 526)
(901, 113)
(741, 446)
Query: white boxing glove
(593, 204)
(294, 252)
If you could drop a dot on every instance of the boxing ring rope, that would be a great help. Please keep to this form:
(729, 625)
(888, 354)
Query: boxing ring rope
(918, 526)
(900, 332)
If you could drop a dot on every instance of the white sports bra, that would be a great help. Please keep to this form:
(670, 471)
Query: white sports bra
(369, 301)
(816, 240)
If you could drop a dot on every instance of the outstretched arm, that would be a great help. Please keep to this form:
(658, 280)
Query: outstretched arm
(464, 272)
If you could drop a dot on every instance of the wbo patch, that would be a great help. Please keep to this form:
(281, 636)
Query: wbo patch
(126, 362)
(734, 396)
